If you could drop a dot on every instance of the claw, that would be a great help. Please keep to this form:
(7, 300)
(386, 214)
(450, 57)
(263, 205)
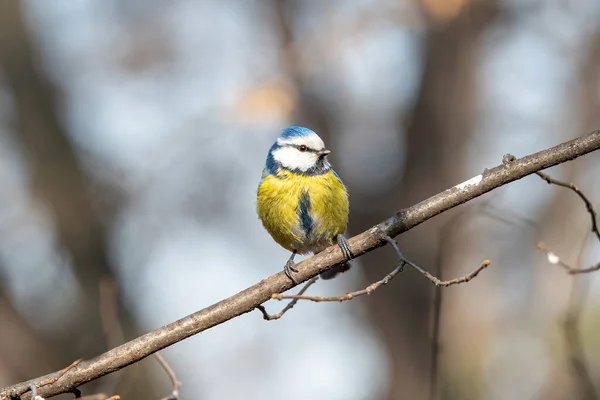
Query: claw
(345, 247)
(289, 268)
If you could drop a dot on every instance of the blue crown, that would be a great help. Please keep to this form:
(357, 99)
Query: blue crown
(296, 131)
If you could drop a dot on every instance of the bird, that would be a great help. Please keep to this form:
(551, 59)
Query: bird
(301, 201)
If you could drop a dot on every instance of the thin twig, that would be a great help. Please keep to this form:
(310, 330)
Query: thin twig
(99, 396)
(52, 380)
(595, 267)
(348, 296)
(552, 257)
(290, 305)
(369, 289)
(176, 383)
(583, 197)
(437, 282)
(247, 300)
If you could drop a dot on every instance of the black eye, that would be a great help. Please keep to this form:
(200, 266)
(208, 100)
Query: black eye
(302, 148)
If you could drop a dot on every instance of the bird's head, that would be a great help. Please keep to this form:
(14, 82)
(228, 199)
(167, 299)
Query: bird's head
(299, 150)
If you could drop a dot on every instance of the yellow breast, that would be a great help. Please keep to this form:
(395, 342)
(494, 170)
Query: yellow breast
(303, 213)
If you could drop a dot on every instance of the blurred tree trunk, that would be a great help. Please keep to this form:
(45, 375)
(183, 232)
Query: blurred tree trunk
(55, 178)
(437, 131)
(59, 182)
(310, 109)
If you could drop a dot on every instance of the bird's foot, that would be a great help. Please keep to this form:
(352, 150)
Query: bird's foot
(345, 247)
(289, 269)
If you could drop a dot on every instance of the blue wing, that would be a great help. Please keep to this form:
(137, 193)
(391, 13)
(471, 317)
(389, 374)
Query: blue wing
(338, 177)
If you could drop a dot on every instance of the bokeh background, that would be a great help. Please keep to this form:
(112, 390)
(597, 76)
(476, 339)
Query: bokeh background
(132, 138)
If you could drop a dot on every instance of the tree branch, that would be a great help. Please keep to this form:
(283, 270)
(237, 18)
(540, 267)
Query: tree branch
(588, 204)
(247, 300)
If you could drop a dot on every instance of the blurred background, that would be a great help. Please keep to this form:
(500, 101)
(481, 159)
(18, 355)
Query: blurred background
(132, 139)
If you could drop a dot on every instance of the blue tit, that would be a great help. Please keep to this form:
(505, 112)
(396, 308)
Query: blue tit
(301, 200)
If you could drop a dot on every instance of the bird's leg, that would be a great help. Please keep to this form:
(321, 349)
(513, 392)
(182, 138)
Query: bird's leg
(289, 267)
(343, 243)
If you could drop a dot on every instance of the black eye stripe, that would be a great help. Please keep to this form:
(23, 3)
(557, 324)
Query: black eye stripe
(306, 148)
(297, 146)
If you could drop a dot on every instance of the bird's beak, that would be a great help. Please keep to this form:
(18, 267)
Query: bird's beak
(324, 152)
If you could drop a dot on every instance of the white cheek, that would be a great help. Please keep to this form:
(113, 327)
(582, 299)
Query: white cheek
(291, 158)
